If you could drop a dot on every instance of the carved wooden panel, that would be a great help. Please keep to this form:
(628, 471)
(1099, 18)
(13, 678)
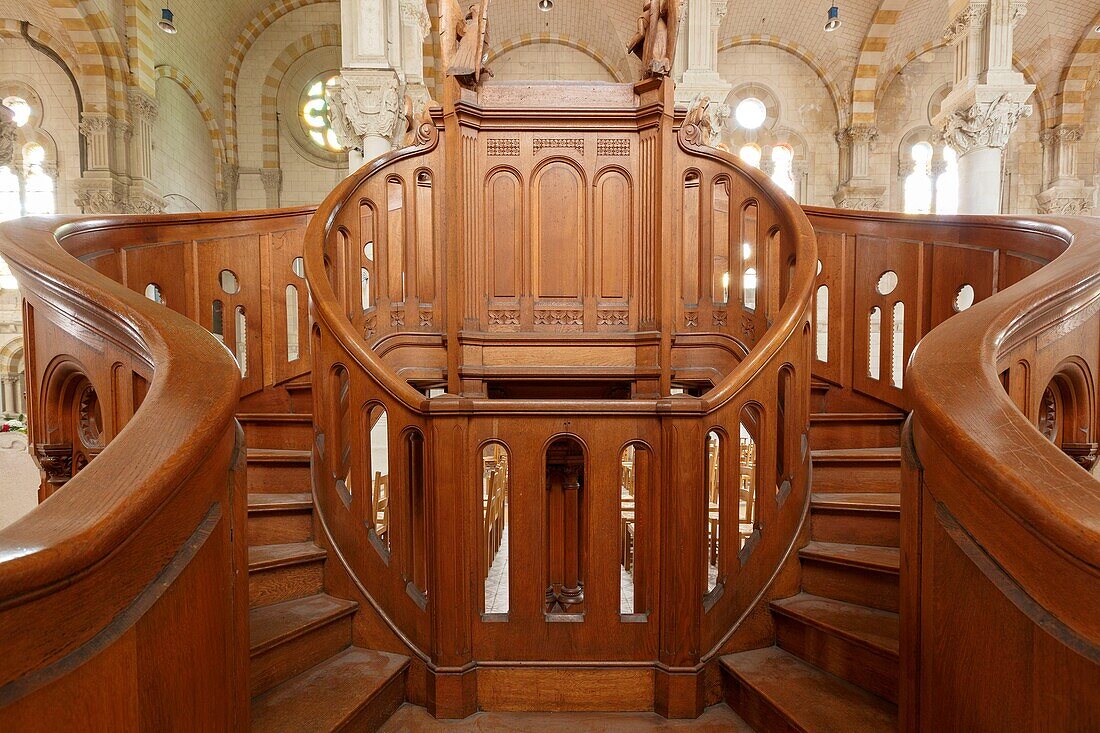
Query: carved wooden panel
(955, 266)
(558, 227)
(503, 233)
(614, 215)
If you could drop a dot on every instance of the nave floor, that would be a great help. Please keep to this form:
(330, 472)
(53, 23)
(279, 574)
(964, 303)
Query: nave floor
(413, 719)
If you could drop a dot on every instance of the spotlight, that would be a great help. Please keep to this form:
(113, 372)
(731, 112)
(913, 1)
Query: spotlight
(834, 19)
(166, 22)
(545, 5)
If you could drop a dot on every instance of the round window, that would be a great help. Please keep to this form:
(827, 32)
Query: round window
(315, 114)
(750, 113)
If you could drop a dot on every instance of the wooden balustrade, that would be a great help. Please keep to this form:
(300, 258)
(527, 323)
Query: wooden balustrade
(639, 293)
(122, 597)
(1000, 568)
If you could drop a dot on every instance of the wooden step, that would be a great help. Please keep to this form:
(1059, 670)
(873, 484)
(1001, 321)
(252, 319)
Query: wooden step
(279, 518)
(836, 430)
(279, 430)
(272, 470)
(358, 689)
(282, 572)
(862, 574)
(286, 639)
(856, 518)
(858, 470)
(857, 643)
(775, 691)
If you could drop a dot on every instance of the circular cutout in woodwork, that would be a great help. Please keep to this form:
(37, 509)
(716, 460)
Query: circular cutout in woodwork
(152, 292)
(230, 284)
(887, 281)
(298, 266)
(964, 298)
(368, 251)
(819, 267)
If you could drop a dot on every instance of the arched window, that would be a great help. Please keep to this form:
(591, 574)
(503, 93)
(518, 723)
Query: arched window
(918, 184)
(783, 168)
(29, 190)
(931, 185)
(947, 184)
(751, 154)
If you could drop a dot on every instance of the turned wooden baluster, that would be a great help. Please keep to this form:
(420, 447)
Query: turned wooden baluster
(572, 591)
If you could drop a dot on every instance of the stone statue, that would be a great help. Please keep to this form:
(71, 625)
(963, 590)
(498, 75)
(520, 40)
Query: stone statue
(708, 118)
(654, 41)
(471, 44)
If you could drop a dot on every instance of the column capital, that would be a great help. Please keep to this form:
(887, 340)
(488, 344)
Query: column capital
(143, 105)
(1067, 200)
(365, 103)
(101, 196)
(985, 123)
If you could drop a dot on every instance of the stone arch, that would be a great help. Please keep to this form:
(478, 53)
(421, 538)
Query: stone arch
(871, 54)
(101, 58)
(798, 52)
(241, 46)
(164, 71)
(1073, 87)
(329, 36)
(584, 47)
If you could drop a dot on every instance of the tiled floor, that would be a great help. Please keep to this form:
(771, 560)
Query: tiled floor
(716, 719)
(496, 583)
(19, 486)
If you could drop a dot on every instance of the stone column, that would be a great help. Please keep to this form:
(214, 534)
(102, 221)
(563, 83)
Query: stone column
(698, 54)
(143, 195)
(103, 187)
(273, 183)
(7, 137)
(1065, 192)
(383, 66)
(857, 190)
(988, 100)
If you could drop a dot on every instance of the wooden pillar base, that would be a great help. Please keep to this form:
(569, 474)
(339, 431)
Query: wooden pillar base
(452, 694)
(679, 693)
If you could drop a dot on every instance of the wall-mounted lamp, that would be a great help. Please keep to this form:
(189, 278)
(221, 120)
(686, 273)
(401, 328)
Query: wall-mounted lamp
(167, 22)
(834, 19)
(545, 5)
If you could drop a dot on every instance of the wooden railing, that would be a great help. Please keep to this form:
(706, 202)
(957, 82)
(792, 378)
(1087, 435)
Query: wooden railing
(123, 598)
(564, 616)
(1000, 521)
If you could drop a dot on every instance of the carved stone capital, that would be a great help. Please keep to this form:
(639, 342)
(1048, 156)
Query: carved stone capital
(862, 134)
(143, 106)
(1070, 200)
(93, 124)
(272, 179)
(906, 166)
(365, 103)
(415, 12)
(859, 198)
(984, 124)
(1018, 11)
(972, 17)
(231, 174)
(145, 203)
(101, 196)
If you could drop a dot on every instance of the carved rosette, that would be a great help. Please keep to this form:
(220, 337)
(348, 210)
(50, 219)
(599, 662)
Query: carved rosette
(504, 317)
(561, 318)
(612, 317)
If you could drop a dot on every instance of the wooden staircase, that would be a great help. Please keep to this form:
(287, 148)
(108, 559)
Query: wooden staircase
(834, 666)
(305, 672)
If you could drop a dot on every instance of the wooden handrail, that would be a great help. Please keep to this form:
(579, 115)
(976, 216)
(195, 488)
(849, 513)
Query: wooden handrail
(191, 402)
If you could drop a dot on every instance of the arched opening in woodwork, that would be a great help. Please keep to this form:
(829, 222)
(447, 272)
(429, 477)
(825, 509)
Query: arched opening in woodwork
(378, 457)
(1066, 413)
(565, 510)
(495, 485)
(635, 486)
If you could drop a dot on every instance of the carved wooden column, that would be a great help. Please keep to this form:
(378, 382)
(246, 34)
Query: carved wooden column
(572, 591)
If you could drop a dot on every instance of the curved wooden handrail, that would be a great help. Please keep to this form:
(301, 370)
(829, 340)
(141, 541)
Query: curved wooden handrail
(190, 405)
(963, 409)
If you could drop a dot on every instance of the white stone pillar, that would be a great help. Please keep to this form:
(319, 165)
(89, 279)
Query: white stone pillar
(103, 187)
(988, 99)
(699, 52)
(143, 195)
(1065, 192)
(858, 190)
(382, 47)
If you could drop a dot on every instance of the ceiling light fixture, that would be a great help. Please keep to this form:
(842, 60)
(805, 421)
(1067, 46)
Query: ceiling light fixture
(834, 19)
(545, 5)
(167, 23)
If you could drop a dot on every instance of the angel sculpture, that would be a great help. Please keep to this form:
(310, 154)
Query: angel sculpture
(651, 42)
(472, 47)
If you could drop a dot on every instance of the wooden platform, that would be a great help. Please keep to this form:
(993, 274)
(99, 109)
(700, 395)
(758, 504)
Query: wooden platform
(716, 719)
